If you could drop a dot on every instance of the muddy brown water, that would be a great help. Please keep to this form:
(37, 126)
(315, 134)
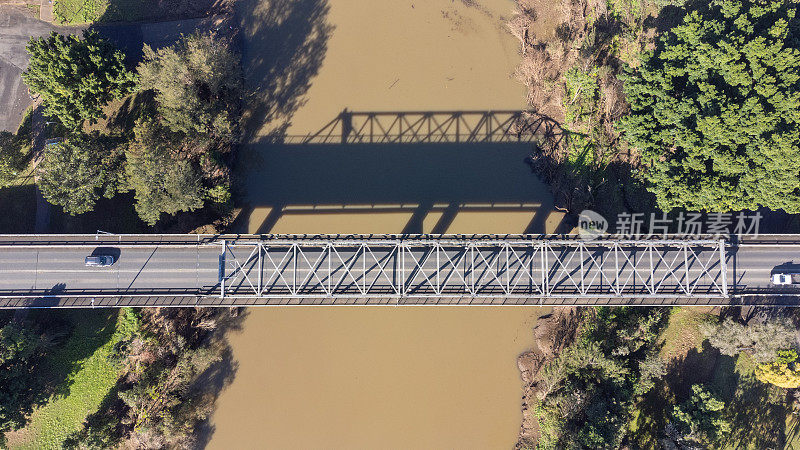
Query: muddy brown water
(380, 377)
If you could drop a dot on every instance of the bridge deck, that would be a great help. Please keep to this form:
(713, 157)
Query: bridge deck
(178, 270)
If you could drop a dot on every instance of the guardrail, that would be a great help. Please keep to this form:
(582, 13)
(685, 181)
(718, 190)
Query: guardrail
(21, 240)
(189, 301)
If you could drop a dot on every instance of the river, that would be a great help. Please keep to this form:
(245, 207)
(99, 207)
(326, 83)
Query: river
(380, 377)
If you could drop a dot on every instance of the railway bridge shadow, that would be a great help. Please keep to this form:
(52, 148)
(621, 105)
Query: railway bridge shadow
(400, 172)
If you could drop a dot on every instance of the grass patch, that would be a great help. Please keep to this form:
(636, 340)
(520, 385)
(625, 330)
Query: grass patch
(102, 11)
(75, 12)
(34, 9)
(683, 332)
(86, 358)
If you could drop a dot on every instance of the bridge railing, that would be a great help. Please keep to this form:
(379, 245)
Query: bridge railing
(87, 240)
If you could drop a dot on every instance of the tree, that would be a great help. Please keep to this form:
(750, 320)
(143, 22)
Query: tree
(162, 183)
(759, 338)
(76, 77)
(76, 172)
(699, 420)
(160, 400)
(783, 372)
(19, 391)
(14, 150)
(588, 391)
(198, 86)
(715, 109)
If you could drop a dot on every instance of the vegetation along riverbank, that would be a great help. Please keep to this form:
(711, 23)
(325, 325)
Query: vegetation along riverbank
(674, 106)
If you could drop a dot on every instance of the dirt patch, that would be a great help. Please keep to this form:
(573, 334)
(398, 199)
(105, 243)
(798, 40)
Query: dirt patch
(545, 17)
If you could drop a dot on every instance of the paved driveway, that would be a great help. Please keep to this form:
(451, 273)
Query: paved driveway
(17, 26)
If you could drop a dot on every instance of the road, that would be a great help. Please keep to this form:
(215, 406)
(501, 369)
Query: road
(17, 27)
(147, 269)
(156, 270)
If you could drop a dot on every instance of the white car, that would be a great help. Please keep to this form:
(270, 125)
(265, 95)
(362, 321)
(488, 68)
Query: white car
(99, 261)
(779, 279)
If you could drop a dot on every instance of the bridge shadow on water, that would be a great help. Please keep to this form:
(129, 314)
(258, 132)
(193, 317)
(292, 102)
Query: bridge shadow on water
(416, 187)
(388, 172)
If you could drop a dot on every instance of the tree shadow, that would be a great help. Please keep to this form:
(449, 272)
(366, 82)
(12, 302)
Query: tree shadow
(695, 368)
(18, 204)
(755, 409)
(161, 10)
(69, 338)
(758, 421)
(283, 45)
(130, 37)
(141, 104)
(668, 17)
(220, 374)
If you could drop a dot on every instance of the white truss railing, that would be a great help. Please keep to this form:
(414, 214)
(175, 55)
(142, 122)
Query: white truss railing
(490, 268)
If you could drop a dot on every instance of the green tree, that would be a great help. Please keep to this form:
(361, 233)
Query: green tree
(589, 390)
(76, 172)
(699, 420)
(14, 151)
(19, 392)
(715, 108)
(198, 86)
(76, 77)
(760, 339)
(162, 182)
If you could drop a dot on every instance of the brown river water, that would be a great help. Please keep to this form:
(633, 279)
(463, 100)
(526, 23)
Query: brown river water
(380, 377)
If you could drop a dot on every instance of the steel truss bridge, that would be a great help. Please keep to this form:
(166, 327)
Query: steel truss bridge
(241, 270)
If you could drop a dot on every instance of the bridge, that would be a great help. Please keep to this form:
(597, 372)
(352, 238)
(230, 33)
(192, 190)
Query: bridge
(249, 270)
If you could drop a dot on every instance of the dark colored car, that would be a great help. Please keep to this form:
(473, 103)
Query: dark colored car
(99, 260)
